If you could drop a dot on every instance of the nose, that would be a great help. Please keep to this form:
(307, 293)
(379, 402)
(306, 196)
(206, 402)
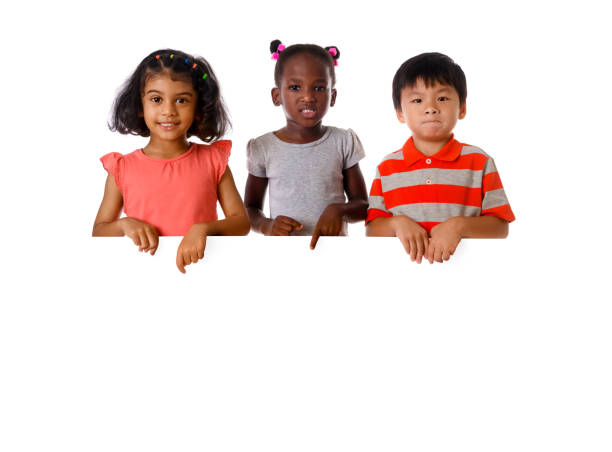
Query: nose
(431, 108)
(169, 108)
(308, 95)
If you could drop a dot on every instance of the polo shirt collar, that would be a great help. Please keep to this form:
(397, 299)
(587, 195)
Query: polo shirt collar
(449, 152)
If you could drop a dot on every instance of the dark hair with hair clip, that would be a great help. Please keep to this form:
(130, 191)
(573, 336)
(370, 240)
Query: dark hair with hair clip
(211, 118)
(431, 68)
(312, 49)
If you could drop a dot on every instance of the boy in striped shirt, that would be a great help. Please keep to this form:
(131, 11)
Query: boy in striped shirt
(435, 190)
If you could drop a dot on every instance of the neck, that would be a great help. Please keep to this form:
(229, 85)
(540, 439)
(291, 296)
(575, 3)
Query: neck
(294, 133)
(163, 149)
(429, 148)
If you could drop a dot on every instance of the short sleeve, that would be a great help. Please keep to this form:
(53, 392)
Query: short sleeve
(222, 150)
(494, 200)
(112, 164)
(256, 161)
(353, 149)
(376, 201)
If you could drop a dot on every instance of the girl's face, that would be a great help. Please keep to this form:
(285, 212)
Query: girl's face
(305, 90)
(168, 106)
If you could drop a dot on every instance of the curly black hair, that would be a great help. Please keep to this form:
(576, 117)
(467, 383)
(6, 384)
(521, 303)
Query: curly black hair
(211, 117)
(431, 68)
(312, 49)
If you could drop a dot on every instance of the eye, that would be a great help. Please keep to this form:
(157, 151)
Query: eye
(294, 87)
(156, 99)
(442, 99)
(181, 100)
(320, 88)
(416, 101)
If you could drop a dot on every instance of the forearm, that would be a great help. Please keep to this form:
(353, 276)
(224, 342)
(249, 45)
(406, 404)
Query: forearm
(353, 211)
(232, 225)
(108, 229)
(381, 227)
(484, 227)
(257, 219)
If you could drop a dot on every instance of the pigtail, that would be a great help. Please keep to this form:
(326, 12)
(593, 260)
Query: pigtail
(276, 47)
(334, 52)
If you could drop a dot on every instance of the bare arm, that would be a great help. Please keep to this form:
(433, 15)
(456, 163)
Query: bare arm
(108, 223)
(236, 222)
(445, 237)
(355, 209)
(254, 194)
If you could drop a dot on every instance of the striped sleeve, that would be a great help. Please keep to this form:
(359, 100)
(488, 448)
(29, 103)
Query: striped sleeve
(494, 200)
(376, 200)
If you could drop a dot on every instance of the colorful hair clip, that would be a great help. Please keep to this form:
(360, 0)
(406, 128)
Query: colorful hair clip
(157, 57)
(186, 60)
(194, 66)
(335, 62)
(333, 51)
(204, 76)
(171, 55)
(280, 48)
(275, 56)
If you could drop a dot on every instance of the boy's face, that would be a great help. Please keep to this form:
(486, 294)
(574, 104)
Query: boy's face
(431, 112)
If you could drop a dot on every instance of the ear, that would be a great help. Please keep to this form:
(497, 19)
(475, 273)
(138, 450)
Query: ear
(276, 100)
(400, 116)
(333, 97)
(462, 111)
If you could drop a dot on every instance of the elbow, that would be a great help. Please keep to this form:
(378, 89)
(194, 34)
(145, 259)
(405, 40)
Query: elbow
(244, 226)
(505, 229)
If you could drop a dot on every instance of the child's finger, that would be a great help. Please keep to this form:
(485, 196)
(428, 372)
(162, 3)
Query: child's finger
(179, 262)
(406, 244)
(194, 256)
(446, 255)
(151, 239)
(144, 242)
(438, 255)
(291, 222)
(413, 250)
(315, 239)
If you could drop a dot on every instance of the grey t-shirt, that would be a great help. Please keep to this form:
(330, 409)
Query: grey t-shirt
(304, 178)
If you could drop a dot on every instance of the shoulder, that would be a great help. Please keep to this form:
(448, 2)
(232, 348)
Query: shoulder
(218, 151)
(468, 149)
(260, 144)
(395, 155)
(217, 146)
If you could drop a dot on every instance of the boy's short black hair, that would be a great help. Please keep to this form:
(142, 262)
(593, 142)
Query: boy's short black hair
(211, 120)
(431, 68)
(311, 49)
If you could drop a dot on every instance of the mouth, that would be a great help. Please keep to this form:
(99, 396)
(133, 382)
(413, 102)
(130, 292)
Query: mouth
(168, 125)
(308, 112)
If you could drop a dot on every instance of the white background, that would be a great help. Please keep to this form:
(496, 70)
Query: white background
(266, 345)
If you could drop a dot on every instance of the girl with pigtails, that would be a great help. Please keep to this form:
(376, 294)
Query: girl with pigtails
(171, 186)
(308, 166)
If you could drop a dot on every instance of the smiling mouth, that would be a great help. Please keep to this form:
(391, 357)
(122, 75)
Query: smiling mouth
(168, 125)
(308, 112)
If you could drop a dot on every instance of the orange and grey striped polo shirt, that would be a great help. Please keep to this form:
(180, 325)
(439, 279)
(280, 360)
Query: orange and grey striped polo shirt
(459, 180)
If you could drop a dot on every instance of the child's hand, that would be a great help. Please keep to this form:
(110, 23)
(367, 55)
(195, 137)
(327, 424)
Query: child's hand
(330, 223)
(144, 235)
(413, 236)
(282, 225)
(192, 246)
(444, 240)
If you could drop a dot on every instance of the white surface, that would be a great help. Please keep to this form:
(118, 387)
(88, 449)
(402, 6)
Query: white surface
(266, 345)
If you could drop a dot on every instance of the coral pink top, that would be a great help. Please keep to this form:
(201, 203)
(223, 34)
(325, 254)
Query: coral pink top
(170, 194)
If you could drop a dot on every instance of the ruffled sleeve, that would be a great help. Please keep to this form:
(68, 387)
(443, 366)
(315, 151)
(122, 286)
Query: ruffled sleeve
(353, 149)
(221, 157)
(256, 161)
(112, 164)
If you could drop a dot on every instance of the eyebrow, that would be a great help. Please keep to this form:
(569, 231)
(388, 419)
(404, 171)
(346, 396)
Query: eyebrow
(297, 80)
(155, 91)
